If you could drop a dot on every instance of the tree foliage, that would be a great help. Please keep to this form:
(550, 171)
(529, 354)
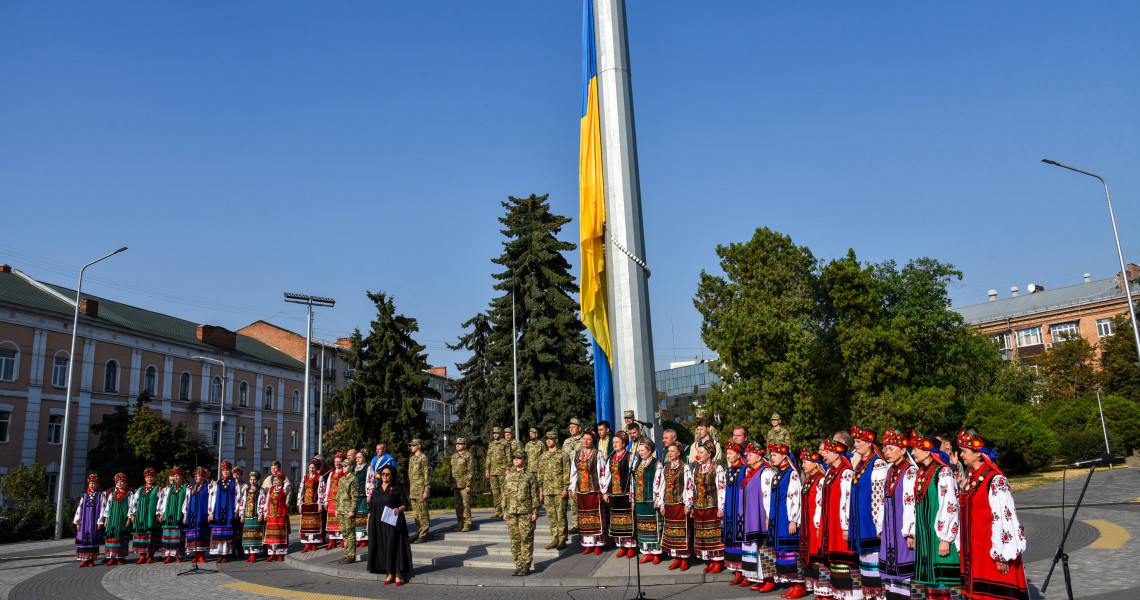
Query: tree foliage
(474, 386)
(1023, 441)
(830, 343)
(25, 483)
(131, 441)
(1068, 369)
(556, 379)
(383, 399)
(1119, 371)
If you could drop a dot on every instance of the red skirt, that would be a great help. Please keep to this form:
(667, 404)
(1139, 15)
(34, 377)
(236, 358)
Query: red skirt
(277, 531)
(590, 514)
(676, 534)
(706, 531)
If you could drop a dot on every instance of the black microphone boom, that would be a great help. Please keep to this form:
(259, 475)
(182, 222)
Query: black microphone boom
(1102, 459)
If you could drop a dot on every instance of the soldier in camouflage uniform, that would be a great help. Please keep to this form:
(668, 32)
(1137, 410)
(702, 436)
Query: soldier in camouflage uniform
(570, 448)
(520, 503)
(346, 495)
(533, 451)
(513, 445)
(462, 469)
(554, 481)
(419, 484)
(498, 460)
(779, 433)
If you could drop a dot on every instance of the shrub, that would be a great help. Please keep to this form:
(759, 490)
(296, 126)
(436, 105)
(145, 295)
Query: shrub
(29, 520)
(1023, 441)
(1068, 416)
(1081, 445)
(1122, 418)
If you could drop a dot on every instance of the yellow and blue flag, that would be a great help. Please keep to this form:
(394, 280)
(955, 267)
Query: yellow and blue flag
(593, 222)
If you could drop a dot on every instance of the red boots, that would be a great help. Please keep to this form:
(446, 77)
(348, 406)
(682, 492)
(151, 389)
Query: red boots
(767, 586)
(676, 563)
(796, 591)
(332, 544)
(739, 577)
(646, 558)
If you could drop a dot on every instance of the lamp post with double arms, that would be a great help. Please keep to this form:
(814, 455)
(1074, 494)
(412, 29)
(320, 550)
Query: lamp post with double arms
(1127, 285)
(63, 484)
(309, 301)
(221, 405)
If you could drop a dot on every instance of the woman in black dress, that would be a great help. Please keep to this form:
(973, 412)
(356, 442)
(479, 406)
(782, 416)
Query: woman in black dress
(389, 549)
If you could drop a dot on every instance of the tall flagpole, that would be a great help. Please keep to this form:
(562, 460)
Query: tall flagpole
(627, 275)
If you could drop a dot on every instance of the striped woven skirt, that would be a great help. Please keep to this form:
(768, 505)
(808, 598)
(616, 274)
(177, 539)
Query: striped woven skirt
(143, 543)
(590, 519)
(252, 537)
(312, 526)
(707, 540)
(197, 539)
(115, 547)
(648, 527)
(221, 539)
(171, 540)
(676, 536)
(277, 534)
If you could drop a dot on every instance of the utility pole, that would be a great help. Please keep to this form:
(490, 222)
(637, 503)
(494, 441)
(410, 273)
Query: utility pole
(309, 301)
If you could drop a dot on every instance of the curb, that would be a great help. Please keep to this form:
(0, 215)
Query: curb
(507, 581)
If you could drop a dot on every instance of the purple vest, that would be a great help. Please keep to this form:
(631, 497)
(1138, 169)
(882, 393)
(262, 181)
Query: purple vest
(755, 513)
(87, 534)
(896, 561)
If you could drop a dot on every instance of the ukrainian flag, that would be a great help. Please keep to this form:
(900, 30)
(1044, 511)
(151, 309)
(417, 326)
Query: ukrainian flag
(593, 221)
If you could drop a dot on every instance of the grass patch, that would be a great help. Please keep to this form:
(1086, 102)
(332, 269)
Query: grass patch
(1021, 483)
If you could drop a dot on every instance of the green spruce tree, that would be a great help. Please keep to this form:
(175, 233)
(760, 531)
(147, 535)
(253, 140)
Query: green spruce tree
(473, 388)
(382, 401)
(556, 379)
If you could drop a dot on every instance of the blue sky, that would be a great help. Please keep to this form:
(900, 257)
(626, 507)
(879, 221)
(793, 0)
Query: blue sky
(244, 149)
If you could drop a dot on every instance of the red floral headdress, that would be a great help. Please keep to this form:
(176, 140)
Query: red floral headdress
(121, 477)
(835, 446)
(860, 433)
(176, 471)
(977, 444)
(754, 447)
(777, 447)
(202, 471)
(227, 466)
(149, 472)
(893, 437)
(340, 455)
(93, 478)
(808, 454)
(731, 445)
(919, 441)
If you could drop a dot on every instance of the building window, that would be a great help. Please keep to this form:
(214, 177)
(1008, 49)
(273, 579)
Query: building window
(1063, 331)
(5, 423)
(243, 394)
(268, 404)
(1028, 337)
(214, 433)
(59, 371)
(111, 377)
(184, 387)
(241, 436)
(292, 473)
(266, 438)
(293, 439)
(1003, 341)
(296, 401)
(1105, 328)
(328, 390)
(7, 365)
(150, 380)
(51, 480)
(215, 390)
(55, 429)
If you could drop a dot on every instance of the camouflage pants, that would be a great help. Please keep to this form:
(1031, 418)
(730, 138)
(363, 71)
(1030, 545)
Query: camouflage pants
(420, 512)
(556, 512)
(462, 507)
(348, 530)
(497, 492)
(522, 539)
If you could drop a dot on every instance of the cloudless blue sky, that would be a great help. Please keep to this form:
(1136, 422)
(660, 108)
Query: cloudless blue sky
(244, 149)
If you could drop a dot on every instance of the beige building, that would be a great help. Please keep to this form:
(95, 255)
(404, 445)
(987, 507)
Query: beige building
(122, 351)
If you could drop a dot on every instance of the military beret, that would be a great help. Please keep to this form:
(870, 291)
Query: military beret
(416, 442)
(629, 414)
(519, 454)
(551, 435)
(460, 441)
(533, 430)
(575, 421)
(497, 430)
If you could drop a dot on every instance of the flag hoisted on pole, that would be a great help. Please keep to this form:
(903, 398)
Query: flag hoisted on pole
(592, 214)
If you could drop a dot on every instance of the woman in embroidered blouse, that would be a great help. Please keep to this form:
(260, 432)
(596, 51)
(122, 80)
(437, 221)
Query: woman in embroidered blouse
(754, 507)
(273, 510)
(615, 483)
(934, 532)
(648, 485)
(708, 509)
(732, 526)
(835, 516)
(675, 503)
(248, 503)
(897, 558)
(585, 470)
(783, 539)
(309, 504)
(992, 538)
(813, 557)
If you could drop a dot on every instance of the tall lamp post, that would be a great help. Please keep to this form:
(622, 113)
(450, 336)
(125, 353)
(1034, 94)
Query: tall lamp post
(1127, 285)
(221, 406)
(63, 484)
(310, 301)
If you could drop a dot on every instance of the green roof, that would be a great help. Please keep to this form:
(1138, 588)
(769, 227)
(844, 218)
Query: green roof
(15, 290)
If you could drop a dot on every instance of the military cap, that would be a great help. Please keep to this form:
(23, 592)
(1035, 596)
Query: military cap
(416, 442)
(628, 414)
(575, 421)
(497, 430)
(519, 454)
(551, 435)
(775, 417)
(460, 441)
(533, 430)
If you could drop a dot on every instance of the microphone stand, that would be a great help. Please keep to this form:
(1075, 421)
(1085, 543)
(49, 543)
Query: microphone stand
(1061, 555)
(640, 593)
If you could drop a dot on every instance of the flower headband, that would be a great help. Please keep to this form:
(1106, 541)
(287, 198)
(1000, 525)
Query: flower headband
(860, 433)
(893, 437)
(835, 446)
(775, 447)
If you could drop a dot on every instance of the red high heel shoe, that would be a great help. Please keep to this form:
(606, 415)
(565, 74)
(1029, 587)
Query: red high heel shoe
(736, 580)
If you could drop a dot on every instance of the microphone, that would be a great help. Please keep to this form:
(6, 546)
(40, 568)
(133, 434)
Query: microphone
(645, 425)
(1102, 459)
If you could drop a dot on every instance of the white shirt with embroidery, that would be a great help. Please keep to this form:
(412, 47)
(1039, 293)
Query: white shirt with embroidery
(657, 486)
(879, 474)
(946, 522)
(687, 494)
(907, 480)
(601, 464)
(1006, 536)
(846, 480)
(795, 492)
(605, 475)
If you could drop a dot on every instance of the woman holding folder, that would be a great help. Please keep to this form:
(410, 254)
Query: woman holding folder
(389, 548)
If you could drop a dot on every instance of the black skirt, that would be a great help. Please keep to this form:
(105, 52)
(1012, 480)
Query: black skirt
(389, 547)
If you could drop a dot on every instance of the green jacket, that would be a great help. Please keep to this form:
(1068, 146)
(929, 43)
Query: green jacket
(520, 495)
(346, 495)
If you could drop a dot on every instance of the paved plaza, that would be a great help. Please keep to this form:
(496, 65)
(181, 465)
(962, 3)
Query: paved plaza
(1103, 548)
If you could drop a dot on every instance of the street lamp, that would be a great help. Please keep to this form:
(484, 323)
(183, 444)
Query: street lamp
(1119, 253)
(62, 484)
(221, 405)
(515, 354)
(310, 301)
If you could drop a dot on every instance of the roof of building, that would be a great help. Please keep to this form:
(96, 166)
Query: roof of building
(15, 289)
(1044, 301)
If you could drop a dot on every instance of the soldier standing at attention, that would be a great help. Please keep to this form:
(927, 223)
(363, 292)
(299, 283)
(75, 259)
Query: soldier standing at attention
(779, 433)
(533, 451)
(628, 416)
(512, 444)
(554, 481)
(346, 495)
(419, 481)
(571, 447)
(498, 459)
(520, 503)
(462, 468)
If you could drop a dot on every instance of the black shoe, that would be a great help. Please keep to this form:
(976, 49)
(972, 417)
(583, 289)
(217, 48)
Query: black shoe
(573, 531)
(515, 574)
(523, 572)
(415, 540)
(561, 546)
